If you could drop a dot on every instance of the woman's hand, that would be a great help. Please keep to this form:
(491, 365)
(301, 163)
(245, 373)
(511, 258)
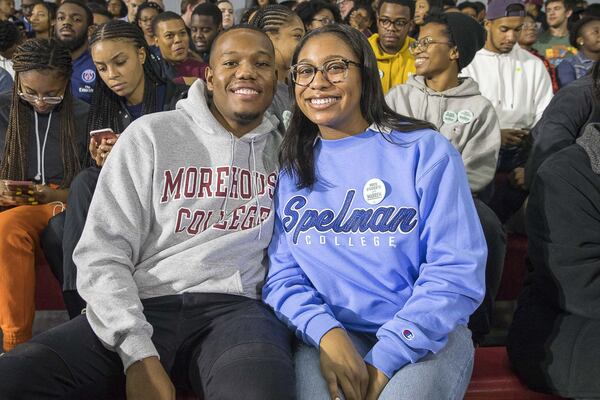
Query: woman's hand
(100, 152)
(342, 366)
(377, 382)
(44, 194)
(10, 197)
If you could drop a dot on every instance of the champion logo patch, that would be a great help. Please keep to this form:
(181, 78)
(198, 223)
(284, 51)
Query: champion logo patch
(408, 335)
(88, 76)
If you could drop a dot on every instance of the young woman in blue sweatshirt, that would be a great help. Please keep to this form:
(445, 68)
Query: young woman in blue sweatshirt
(378, 256)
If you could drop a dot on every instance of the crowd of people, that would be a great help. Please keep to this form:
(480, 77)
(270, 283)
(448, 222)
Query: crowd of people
(190, 179)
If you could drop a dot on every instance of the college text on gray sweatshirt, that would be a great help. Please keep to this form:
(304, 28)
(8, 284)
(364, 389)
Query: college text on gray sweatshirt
(466, 118)
(182, 205)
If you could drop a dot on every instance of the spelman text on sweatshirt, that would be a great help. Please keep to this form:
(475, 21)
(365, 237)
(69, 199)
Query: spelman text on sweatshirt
(181, 206)
(387, 242)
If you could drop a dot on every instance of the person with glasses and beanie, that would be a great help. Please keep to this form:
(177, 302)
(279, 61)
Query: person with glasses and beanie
(378, 257)
(390, 43)
(519, 87)
(44, 137)
(447, 43)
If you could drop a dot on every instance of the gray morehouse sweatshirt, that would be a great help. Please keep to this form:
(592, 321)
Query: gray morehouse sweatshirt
(155, 225)
(466, 118)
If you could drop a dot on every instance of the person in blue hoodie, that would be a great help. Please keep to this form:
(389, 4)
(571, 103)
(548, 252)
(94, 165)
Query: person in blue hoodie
(378, 257)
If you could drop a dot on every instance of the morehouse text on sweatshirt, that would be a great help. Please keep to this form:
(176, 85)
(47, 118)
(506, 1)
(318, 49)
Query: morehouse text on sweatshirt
(181, 205)
(387, 242)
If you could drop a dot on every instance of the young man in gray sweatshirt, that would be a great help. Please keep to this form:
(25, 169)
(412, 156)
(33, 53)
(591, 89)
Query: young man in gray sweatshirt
(172, 259)
(446, 44)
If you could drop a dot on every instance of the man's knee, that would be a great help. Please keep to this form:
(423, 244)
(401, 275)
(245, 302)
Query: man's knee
(31, 370)
(84, 184)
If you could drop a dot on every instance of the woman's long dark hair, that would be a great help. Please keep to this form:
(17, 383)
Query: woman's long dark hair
(297, 153)
(39, 55)
(104, 111)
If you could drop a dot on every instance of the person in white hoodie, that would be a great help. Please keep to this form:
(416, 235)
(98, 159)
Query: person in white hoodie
(446, 44)
(517, 84)
(173, 256)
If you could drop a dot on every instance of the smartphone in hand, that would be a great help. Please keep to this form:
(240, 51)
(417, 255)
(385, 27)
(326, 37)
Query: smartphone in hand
(104, 133)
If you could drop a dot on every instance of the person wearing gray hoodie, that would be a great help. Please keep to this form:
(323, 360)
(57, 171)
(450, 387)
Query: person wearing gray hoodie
(173, 255)
(446, 44)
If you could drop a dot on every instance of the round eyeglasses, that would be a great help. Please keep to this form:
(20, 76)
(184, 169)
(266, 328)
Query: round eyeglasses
(334, 71)
(31, 98)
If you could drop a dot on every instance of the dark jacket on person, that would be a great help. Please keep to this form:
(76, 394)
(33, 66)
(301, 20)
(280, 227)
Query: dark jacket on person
(53, 162)
(555, 335)
(563, 121)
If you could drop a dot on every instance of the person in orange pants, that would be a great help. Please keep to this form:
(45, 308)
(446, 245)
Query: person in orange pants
(43, 134)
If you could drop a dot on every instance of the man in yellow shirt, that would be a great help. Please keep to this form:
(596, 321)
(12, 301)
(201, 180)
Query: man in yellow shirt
(390, 43)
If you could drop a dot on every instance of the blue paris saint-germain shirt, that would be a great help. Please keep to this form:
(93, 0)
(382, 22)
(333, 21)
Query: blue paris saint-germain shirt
(83, 78)
(387, 243)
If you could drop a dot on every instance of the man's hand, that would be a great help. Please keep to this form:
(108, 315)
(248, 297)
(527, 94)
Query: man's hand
(512, 137)
(100, 152)
(147, 379)
(377, 382)
(341, 365)
(518, 178)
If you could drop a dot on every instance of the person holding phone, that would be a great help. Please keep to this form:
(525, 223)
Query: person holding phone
(43, 134)
(378, 257)
(130, 86)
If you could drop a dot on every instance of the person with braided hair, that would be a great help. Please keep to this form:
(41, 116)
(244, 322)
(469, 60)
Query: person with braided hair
(10, 38)
(285, 29)
(43, 137)
(130, 86)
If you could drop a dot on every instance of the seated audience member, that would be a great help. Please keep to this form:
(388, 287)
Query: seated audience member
(43, 20)
(386, 303)
(534, 8)
(585, 36)
(116, 8)
(285, 29)
(10, 38)
(26, 10)
(205, 25)
(132, 7)
(129, 88)
(446, 44)
(317, 13)
(100, 16)
(554, 340)
(519, 89)
(481, 11)
(146, 13)
(7, 10)
(174, 43)
(390, 43)
(527, 39)
(40, 113)
(553, 43)
(362, 18)
(73, 19)
(186, 8)
(227, 13)
(423, 8)
(6, 81)
(345, 6)
(564, 120)
(468, 8)
(166, 273)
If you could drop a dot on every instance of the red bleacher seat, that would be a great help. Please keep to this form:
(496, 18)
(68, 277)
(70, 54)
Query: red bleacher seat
(48, 295)
(493, 378)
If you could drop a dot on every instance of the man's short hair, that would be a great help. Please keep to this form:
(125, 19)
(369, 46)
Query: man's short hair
(569, 4)
(406, 3)
(210, 10)
(185, 3)
(96, 8)
(9, 35)
(236, 28)
(165, 16)
(88, 14)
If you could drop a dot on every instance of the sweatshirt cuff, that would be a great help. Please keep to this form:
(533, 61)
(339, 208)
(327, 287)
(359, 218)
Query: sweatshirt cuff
(135, 348)
(385, 357)
(318, 326)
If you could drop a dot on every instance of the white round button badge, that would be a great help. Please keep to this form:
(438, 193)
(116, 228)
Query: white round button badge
(374, 191)
(465, 116)
(449, 117)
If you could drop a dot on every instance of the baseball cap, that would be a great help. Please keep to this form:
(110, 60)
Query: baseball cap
(505, 8)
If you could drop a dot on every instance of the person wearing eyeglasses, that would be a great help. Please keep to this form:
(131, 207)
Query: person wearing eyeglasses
(42, 132)
(527, 39)
(390, 43)
(377, 258)
(345, 6)
(317, 13)
(446, 44)
(519, 87)
(144, 16)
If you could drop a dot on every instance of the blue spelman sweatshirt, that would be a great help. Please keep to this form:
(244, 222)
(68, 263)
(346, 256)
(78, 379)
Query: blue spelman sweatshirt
(387, 242)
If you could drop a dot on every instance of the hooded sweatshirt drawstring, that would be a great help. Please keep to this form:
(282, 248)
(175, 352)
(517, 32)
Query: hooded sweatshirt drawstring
(254, 192)
(229, 177)
(41, 150)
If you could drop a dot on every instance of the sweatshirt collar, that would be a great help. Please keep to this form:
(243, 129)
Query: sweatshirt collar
(380, 54)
